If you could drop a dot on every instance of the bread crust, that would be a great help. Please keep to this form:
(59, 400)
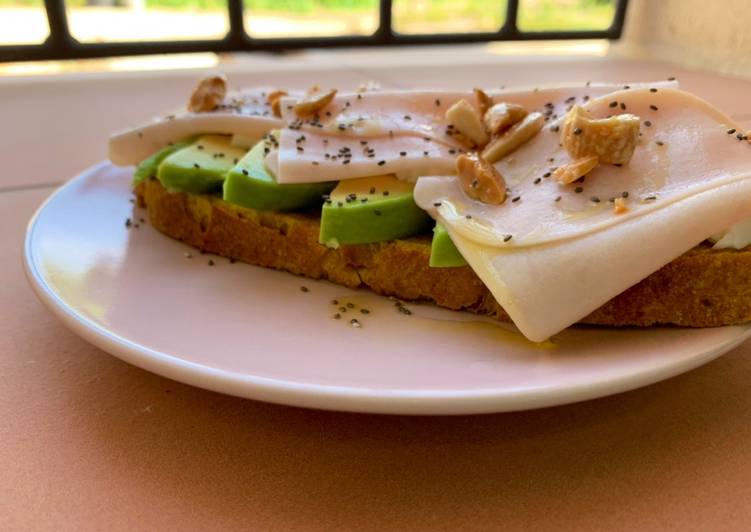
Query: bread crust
(702, 288)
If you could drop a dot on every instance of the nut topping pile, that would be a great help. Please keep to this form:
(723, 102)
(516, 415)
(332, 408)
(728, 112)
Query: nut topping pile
(208, 94)
(496, 129)
(314, 101)
(492, 130)
(513, 138)
(501, 116)
(484, 102)
(468, 122)
(568, 173)
(592, 141)
(480, 179)
(612, 139)
(274, 99)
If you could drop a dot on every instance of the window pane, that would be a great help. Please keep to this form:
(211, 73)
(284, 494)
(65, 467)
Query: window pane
(306, 18)
(23, 22)
(448, 16)
(147, 20)
(550, 15)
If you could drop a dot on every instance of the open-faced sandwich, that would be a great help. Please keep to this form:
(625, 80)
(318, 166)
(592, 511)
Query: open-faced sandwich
(593, 203)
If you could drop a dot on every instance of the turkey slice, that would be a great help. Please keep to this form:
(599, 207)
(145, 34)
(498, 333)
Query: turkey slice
(547, 288)
(401, 126)
(685, 148)
(689, 179)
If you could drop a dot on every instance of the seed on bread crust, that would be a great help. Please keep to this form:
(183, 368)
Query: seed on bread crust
(208, 94)
(314, 101)
(517, 135)
(480, 180)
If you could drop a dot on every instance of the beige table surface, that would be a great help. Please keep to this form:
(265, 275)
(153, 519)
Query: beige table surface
(89, 442)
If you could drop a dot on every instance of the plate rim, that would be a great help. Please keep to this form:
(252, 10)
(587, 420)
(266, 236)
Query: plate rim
(335, 397)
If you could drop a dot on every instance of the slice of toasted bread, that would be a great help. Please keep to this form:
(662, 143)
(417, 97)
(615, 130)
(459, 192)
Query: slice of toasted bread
(702, 288)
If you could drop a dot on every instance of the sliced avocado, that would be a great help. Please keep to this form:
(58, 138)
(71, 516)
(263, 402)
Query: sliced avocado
(443, 252)
(148, 167)
(371, 209)
(250, 184)
(200, 167)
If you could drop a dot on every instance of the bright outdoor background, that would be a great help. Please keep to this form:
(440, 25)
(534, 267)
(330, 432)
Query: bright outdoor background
(24, 21)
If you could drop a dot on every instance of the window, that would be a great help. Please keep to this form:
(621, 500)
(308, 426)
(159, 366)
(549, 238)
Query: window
(99, 28)
(92, 21)
(555, 15)
(448, 16)
(300, 18)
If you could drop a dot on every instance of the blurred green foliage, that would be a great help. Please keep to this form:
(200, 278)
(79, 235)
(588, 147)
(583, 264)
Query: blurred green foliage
(542, 15)
(283, 6)
(442, 10)
(428, 16)
(303, 7)
(21, 3)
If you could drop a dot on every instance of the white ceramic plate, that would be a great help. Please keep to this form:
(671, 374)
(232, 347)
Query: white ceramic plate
(255, 333)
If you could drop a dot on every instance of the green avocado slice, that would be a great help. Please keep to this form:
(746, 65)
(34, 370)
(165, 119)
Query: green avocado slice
(371, 209)
(201, 167)
(443, 252)
(149, 166)
(250, 184)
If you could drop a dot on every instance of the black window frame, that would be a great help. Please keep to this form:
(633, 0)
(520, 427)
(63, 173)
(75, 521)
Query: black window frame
(62, 45)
